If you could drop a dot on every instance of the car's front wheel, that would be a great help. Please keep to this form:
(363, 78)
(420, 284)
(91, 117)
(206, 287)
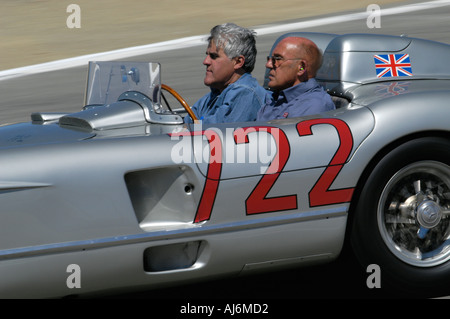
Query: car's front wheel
(402, 219)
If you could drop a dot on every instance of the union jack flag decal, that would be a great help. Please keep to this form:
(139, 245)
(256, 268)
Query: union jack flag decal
(392, 65)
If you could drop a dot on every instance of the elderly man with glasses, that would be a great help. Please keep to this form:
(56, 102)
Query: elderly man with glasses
(293, 67)
(235, 95)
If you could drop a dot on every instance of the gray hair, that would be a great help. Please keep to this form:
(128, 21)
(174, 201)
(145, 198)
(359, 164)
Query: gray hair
(235, 41)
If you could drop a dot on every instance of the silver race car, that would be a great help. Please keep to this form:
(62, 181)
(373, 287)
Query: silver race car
(124, 195)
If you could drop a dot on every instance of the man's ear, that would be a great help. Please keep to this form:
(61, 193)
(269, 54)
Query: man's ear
(239, 62)
(302, 71)
(302, 67)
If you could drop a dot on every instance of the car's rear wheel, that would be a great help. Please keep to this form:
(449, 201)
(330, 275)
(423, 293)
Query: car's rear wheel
(402, 219)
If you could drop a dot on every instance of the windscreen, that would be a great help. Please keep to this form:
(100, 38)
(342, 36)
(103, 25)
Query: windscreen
(108, 80)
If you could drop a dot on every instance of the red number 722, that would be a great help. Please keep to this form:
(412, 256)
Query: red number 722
(258, 202)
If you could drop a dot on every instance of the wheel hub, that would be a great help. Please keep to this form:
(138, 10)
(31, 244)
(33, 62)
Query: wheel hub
(429, 214)
(414, 214)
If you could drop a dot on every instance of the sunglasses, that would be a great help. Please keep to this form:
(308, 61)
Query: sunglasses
(276, 59)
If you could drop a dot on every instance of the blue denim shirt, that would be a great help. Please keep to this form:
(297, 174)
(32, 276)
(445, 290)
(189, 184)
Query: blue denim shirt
(239, 102)
(305, 98)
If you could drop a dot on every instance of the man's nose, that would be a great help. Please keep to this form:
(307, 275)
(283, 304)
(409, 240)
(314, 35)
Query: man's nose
(269, 64)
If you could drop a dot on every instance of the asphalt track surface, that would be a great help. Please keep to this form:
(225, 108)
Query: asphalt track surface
(182, 69)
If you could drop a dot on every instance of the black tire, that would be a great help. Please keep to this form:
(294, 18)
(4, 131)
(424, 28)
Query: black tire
(402, 225)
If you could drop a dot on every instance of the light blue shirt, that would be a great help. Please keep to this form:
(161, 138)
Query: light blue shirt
(239, 102)
(305, 98)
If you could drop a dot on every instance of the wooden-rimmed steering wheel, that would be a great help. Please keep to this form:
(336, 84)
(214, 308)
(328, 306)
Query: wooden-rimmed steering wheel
(181, 100)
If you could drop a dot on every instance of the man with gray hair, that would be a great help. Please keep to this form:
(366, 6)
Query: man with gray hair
(235, 95)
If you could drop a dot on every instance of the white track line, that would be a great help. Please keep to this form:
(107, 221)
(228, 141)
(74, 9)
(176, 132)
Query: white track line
(200, 40)
(353, 16)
